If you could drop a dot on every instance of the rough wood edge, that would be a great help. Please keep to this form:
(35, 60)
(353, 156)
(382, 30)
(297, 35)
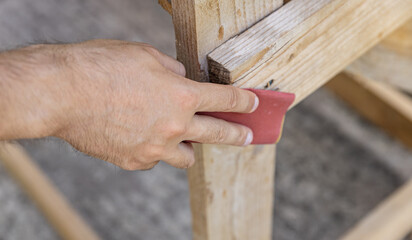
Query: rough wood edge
(303, 58)
(65, 220)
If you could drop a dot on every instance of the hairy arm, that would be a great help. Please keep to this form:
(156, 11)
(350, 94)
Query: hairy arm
(123, 102)
(32, 95)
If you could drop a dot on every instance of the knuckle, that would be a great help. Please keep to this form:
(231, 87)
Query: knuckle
(220, 135)
(152, 153)
(151, 50)
(132, 164)
(141, 163)
(188, 99)
(175, 129)
(150, 166)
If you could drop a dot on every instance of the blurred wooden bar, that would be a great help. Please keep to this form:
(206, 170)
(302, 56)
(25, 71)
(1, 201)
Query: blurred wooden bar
(391, 220)
(65, 220)
(380, 103)
(390, 61)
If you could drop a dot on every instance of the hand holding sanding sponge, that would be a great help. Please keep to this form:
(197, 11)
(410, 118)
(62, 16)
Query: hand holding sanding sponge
(266, 121)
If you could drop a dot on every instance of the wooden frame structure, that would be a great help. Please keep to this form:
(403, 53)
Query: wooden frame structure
(297, 47)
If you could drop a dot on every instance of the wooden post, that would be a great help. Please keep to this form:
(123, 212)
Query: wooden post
(231, 188)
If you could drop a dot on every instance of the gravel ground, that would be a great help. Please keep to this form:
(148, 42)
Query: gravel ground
(332, 166)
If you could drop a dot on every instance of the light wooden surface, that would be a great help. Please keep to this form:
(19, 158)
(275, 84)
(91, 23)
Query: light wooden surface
(390, 61)
(232, 198)
(391, 220)
(305, 43)
(378, 102)
(231, 188)
(68, 224)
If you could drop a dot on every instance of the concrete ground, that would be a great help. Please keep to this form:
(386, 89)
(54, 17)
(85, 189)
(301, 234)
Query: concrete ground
(332, 166)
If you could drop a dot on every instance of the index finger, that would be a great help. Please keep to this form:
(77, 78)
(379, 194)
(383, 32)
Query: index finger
(225, 98)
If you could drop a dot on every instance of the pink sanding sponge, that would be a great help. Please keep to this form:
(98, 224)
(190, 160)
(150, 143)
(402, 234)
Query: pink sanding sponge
(266, 121)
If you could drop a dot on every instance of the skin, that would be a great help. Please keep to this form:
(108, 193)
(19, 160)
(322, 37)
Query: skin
(126, 103)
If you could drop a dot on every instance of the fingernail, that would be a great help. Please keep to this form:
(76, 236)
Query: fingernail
(249, 138)
(255, 106)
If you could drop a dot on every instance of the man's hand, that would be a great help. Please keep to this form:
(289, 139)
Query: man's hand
(126, 103)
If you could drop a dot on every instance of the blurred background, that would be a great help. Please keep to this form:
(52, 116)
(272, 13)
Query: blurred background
(332, 166)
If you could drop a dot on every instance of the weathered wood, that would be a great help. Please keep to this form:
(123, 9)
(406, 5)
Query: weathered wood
(390, 61)
(232, 192)
(66, 221)
(378, 102)
(305, 43)
(208, 23)
(231, 188)
(391, 220)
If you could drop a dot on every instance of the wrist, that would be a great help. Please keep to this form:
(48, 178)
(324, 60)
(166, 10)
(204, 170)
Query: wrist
(36, 101)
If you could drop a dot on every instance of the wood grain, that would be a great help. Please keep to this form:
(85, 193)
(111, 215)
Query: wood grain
(378, 102)
(391, 220)
(66, 221)
(390, 61)
(231, 188)
(305, 43)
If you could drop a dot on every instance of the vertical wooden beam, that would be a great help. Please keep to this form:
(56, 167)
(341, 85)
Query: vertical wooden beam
(232, 192)
(231, 188)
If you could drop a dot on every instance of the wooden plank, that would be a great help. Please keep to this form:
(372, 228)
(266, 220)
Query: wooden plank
(305, 43)
(390, 61)
(68, 224)
(378, 102)
(391, 220)
(232, 191)
(231, 188)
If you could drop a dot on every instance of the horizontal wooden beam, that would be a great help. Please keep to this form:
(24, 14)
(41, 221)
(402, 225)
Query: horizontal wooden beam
(390, 61)
(378, 102)
(66, 221)
(305, 43)
(391, 220)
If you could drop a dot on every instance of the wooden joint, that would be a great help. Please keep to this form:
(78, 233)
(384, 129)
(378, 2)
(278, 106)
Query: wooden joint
(305, 43)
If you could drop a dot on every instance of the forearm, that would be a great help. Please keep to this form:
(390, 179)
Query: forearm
(123, 102)
(32, 95)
